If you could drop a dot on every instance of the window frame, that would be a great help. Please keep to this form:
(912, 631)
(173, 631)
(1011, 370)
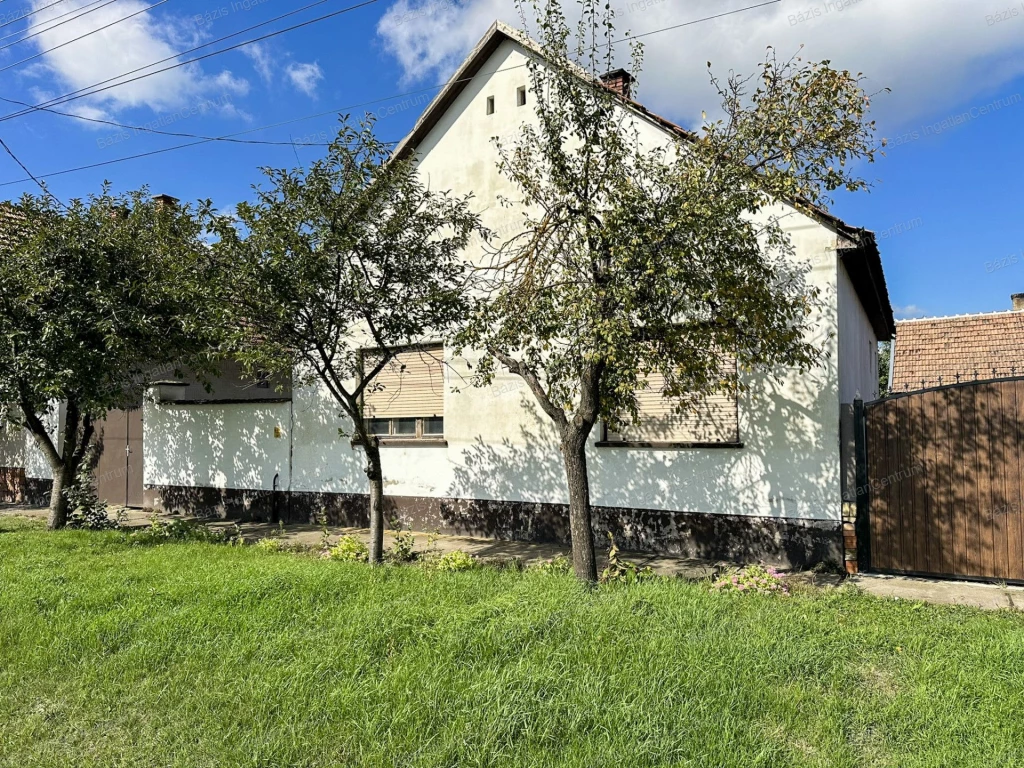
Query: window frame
(606, 441)
(419, 436)
(393, 438)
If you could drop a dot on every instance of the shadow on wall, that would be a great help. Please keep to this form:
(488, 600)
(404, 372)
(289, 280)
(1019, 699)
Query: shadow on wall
(196, 457)
(777, 498)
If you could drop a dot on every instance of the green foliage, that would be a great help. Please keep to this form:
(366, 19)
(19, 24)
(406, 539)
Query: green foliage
(348, 240)
(884, 356)
(349, 549)
(97, 296)
(355, 253)
(86, 509)
(401, 550)
(269, 544)
(620, 571)
(162, 531)
(759, 579)
(560, 564)
(636, 262)
(453, 561)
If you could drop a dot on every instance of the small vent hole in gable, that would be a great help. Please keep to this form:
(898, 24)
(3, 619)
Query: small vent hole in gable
(490, 105)
(521, 96)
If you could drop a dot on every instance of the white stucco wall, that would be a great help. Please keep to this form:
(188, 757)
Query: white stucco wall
(499, 445)
(32, 458)
(12, 446)
(858, 345)
(221, 446)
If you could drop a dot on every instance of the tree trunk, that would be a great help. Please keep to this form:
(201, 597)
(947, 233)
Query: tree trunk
(376, 476)
(574, 454)
(62, 480)
(62, 475)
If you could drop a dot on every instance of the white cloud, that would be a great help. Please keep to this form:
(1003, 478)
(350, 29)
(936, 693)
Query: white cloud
(125, 46)
(305, 77)
(909, 311)
(261, 60)
(934, 54)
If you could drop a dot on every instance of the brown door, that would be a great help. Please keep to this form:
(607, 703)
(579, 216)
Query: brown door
(112, 468)
(133, 492)
(119, 470)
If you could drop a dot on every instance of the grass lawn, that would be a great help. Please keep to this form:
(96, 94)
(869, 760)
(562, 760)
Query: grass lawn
(205, 655)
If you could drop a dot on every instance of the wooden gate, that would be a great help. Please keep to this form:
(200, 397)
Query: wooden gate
(119, 470)
(944, 481)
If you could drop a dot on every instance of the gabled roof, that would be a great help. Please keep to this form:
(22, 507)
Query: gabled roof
(857, 247)
(935, 351)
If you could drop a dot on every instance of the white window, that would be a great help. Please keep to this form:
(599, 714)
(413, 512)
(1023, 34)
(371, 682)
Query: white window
(405, 401)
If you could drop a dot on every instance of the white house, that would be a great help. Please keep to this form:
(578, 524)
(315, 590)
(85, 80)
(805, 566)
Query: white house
(485, 461)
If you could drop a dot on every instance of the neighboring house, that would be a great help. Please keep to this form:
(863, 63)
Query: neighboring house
(939, 351)
(766, 483)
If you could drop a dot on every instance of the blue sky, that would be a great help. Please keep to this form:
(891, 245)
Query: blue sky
(944, 201)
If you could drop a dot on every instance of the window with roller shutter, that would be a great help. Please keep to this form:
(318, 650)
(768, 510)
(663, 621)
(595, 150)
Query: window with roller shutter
(406, 399)
(712, 422)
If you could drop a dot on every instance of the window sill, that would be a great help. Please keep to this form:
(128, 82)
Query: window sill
(662, 446)
(404, 442)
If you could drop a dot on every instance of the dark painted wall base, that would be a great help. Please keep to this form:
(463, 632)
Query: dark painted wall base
(778, 541)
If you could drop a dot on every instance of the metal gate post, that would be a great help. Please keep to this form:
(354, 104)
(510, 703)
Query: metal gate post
(862, 525)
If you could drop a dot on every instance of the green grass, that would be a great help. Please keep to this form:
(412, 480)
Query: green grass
(206, 655)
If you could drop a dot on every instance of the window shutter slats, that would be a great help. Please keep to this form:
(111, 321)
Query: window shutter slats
(410, 386)
(713, 420)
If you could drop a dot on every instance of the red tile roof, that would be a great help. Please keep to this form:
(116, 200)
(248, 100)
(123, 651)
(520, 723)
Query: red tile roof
(947, 350)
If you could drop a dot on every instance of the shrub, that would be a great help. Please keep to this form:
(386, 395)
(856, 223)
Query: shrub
(753, 578)
(623, 571)
(559, 564)
(401, 550)
(87, 510)
(269, 545)
(349, 549)
(456, 560)
(160, 531)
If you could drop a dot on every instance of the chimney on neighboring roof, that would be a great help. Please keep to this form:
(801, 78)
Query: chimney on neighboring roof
(1018, 301)
(620, 81)
(165, 201)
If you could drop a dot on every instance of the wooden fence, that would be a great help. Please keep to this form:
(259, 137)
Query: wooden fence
(944, 481)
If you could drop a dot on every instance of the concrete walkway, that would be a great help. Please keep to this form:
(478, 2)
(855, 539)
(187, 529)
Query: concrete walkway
(942, 592)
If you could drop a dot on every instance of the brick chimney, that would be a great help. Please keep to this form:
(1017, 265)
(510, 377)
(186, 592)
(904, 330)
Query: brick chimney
(1018, 301)
(165, 201)
(620, 81)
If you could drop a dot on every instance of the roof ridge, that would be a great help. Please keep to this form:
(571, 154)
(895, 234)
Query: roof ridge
(939, 318)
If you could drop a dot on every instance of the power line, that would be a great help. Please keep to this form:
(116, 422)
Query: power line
(147, 129)
(74, 39)
(697, 21)
(43, 23)
(42, 186)
(33, 13)
(205, 140)
(66, 21)
(79, 93)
